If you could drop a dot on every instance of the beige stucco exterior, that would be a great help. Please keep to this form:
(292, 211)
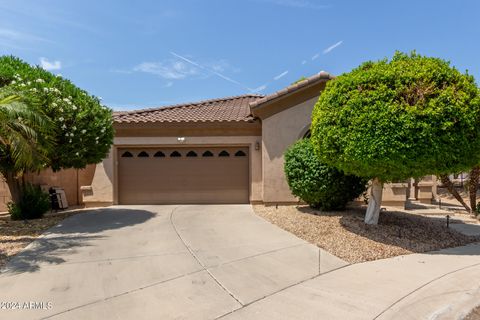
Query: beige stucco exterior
(279, 131)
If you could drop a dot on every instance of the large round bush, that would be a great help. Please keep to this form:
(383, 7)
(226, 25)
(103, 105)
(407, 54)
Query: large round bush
(319, 185)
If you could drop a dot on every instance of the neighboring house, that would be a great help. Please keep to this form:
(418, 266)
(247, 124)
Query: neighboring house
(226, 150)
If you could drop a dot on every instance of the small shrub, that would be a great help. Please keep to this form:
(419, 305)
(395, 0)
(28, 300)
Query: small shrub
(33, 204)
(317, 184)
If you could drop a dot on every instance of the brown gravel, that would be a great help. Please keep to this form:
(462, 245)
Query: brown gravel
(16, 235)
(345, 235)
(474, 314)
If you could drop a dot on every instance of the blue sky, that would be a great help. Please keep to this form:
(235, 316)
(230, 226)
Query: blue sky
(137, 54)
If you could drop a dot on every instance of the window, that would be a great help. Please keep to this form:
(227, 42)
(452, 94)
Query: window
(159, 154)
(143, 154)
(240, 153)
(207, 154)
(127, 154)
(175, 154)
(191, 154)
(224, 154)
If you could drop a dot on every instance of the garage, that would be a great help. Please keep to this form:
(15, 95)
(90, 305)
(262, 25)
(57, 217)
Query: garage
(183, 175)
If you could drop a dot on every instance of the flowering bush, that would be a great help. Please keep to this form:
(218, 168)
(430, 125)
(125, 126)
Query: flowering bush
(84, 131)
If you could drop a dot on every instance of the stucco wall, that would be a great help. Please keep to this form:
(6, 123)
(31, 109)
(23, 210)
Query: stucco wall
(279, 132)
(70, 180)
(104, 186)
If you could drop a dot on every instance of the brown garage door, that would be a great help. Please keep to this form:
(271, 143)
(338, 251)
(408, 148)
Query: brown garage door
(183, 175)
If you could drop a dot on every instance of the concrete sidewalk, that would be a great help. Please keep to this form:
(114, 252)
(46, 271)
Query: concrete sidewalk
(439, 285)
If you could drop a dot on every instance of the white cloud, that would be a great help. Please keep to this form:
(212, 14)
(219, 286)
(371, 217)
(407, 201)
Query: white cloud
(304, 62)
(303, 4)
(315, 56)
(170, 69)
(50, 65)
(281, 75)
(259, 89)
(333, 46)
(168, 84)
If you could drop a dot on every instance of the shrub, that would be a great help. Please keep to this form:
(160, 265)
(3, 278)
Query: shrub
(319, 185)
(32, 205)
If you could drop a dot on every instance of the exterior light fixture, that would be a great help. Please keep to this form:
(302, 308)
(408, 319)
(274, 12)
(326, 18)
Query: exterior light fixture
(257, 145)
(181, 139)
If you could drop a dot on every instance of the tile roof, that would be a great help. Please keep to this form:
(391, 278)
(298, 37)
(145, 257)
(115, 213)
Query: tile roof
(228, 109)
(319, 77)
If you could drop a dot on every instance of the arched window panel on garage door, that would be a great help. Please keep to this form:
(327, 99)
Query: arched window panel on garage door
(175, 154)
(207, 154)
(191, 154)
(224, 153)
(127, 154)
(159, 154)
(143, 154)
(240, 153)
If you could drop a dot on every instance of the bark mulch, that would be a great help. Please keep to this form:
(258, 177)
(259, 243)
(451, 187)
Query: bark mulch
(16, 235)
(345, 235)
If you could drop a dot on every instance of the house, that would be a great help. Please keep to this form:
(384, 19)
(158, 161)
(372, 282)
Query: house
(225, 150)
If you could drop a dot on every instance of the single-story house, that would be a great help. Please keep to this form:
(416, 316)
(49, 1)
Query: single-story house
(225, 150)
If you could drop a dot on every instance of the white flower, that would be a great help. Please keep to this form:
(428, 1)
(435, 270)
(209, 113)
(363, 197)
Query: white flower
(65, 99)
(61, 109)
(64, 126)
(103, 130)
(54, 104)
(39, 80)
(71, 134)
(13, 82)
(96, 142)
(22, 85)
(29, 82)
(83, 131)
(77, 154)
(20, 119)
(61, 119)
(70, 140)
(67, 134)
(74, 128)
(74, 107)
(45, 89)
(33, 89)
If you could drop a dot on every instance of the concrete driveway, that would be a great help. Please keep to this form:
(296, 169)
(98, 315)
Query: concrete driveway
(157, 262)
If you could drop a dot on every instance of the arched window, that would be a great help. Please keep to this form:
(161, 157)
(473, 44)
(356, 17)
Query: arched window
(159, 154)
(224, 154)
(175, 154)
(143, 154)
(207, 154)
(127, 154)
(191, 154)
(240, 153)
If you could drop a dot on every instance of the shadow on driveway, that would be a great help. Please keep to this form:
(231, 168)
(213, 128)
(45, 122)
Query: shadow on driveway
(76, 231)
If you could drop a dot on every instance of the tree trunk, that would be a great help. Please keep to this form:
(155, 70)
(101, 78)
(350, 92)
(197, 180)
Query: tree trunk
(473, 186)
(373, 209)
(451, 188)
(14, 185)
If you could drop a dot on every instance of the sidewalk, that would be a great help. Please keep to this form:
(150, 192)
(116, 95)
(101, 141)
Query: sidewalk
(438, 285)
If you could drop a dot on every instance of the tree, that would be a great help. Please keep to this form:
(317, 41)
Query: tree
(84, 131)
(24, 140)
(319, 185)
(389, 120)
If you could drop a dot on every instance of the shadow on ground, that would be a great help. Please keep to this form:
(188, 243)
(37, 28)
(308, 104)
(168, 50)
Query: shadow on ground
(76, 231)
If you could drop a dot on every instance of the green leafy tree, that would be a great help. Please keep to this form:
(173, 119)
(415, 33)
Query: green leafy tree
(84, 131)
(319, 185)
(389, 120)
(24, 141)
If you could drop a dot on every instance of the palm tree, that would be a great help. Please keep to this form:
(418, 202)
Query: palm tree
(24, 140)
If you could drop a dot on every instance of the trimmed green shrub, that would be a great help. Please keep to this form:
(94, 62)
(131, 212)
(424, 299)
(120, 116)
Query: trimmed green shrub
(319, 185)
(32, 205)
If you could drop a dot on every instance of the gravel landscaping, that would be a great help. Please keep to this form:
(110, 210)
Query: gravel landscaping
(16, 235)
(345, 235)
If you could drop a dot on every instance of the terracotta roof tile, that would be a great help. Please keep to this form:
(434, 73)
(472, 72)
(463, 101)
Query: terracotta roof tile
(321, 76)
(223, 109)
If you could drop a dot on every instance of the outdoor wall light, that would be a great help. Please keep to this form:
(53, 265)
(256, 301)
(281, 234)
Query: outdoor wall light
(257, 145)
(181, 139)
